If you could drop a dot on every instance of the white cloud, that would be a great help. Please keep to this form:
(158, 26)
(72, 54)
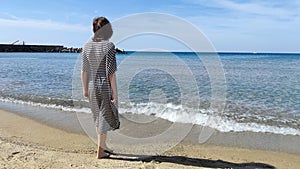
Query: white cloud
(41, 24)
(273, 9)
(254, 8)
(34, 31)
(250, 25)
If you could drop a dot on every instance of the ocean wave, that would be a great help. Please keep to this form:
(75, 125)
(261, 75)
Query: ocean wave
(173, 113)
(50, 105)
(205, 117)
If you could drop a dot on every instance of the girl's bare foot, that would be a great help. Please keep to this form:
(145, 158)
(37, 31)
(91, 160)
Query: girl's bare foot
(108, 150)
(101, 154)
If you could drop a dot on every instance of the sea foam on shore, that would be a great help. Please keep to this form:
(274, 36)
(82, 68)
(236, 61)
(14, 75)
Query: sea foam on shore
(176, 113)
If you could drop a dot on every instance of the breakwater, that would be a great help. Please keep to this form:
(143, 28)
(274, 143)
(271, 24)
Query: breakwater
(44, 48)
(37, 48)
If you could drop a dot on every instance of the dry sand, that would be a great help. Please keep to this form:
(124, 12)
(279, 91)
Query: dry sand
(25, 143)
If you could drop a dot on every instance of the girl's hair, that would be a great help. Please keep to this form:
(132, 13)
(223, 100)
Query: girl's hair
(102, 29)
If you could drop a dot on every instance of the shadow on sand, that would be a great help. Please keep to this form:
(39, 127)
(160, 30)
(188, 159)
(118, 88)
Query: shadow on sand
(196, 162)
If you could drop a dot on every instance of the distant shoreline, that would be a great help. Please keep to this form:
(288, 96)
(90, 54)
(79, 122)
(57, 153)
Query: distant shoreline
(12, 48)
(221, 52)
(38, 48)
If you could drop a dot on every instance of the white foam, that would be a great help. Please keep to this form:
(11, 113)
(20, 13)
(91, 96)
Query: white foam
(204, 118)
(51, 106)
(177, 113)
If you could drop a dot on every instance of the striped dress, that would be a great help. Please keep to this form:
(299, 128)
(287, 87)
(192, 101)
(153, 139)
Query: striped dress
(99, 62)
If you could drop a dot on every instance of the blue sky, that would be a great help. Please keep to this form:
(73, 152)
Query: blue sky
(231, 25)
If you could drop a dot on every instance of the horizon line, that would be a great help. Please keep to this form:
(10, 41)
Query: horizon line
(165, 51)
(221, 52)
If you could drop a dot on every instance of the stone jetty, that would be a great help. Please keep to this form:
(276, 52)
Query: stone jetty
(43, 48)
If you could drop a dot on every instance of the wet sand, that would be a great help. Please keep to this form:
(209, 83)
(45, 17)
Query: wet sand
(26, 143)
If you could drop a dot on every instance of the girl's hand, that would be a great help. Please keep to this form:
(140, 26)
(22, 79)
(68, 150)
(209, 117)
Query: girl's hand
(85, 94)
(114, 100)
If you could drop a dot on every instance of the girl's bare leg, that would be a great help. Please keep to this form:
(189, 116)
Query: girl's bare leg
(101, 145)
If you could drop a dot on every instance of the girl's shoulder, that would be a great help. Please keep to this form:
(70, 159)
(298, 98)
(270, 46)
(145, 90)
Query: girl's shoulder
(106, 44)
(110, 44)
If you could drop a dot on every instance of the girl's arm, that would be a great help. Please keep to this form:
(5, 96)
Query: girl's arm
(113, 83)
(84, 83)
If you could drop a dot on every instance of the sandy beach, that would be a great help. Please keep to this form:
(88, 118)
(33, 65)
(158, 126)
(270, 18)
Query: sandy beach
(26, 143)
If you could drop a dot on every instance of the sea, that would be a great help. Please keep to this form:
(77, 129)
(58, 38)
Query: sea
(230, 92)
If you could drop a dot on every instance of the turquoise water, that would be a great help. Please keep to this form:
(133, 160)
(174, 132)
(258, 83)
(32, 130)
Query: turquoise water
(262, 90)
